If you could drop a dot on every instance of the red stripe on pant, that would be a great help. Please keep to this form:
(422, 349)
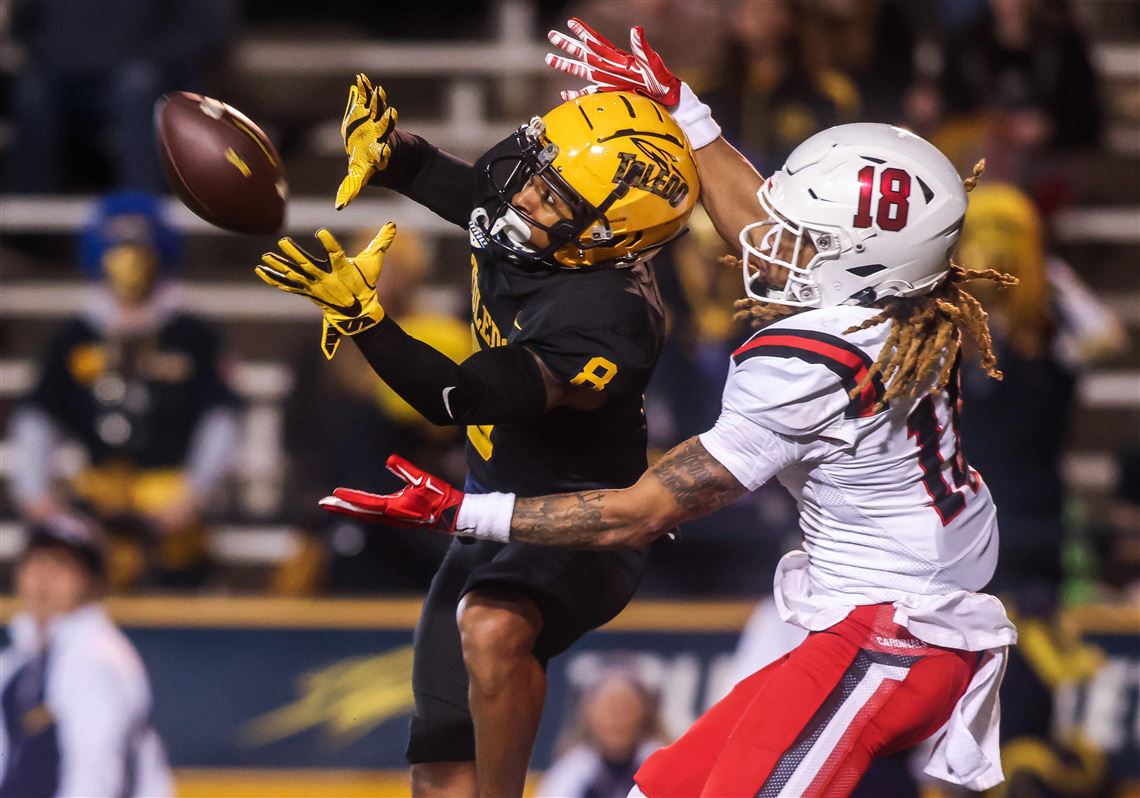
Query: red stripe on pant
(749, 736)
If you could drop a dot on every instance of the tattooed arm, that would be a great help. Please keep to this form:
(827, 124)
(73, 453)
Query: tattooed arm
(686, 483)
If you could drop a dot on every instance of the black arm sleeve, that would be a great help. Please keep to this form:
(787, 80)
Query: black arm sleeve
(490, 387)
(422, 172)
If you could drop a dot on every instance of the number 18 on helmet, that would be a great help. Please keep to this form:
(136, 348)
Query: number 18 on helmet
(858, 212)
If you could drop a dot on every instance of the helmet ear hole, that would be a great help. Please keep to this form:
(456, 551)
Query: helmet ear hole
(823, 241)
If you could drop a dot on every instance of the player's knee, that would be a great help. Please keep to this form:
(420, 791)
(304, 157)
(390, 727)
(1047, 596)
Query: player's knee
(496, 632)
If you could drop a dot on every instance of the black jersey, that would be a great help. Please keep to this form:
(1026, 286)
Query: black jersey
(599, 328)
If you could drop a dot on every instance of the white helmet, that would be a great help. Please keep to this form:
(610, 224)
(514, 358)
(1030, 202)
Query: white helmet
(881, 208)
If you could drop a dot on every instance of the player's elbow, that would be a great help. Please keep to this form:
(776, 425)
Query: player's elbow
(626, 537)
(439, 418)
(640, 523)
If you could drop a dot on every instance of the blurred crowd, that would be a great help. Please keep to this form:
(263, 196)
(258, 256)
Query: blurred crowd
(141, 384)
(1010, 79)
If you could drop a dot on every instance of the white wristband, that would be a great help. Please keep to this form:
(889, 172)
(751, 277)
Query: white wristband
(695, 119)
(486, 516)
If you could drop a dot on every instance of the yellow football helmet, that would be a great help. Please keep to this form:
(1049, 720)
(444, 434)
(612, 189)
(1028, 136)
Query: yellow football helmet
(621, 164)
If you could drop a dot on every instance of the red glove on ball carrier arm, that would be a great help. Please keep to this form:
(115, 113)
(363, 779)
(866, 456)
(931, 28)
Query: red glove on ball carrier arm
(425, 502)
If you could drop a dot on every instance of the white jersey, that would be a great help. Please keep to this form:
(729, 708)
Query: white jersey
(889, 509)
(887, 503)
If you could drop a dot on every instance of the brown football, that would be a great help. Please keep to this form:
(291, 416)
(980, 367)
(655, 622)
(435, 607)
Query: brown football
(220, 164)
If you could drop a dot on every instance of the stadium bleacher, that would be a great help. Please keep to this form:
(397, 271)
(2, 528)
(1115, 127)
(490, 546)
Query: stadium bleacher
(465, 95)
(309, 695)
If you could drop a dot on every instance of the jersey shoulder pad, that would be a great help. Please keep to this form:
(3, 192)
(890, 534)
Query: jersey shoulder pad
(594, 327)
(796, 376)
(601, 302)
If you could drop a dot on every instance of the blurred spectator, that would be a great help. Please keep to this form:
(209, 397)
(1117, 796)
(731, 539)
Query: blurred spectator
(92, 73)
(616, 729)
(135, 380)
(1026, 61)
(775, 86)
(348, 445)
(873, 42)
(1016, 84)
(75, 704)
(1046, 330)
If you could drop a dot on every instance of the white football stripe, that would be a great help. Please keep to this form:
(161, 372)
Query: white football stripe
(815, 759)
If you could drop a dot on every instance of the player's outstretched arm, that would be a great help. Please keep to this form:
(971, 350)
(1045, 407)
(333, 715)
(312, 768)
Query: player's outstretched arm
(380, 155)
(343, 287)
(368, 123)
(729, 183)
(686, 483)
(505, 383)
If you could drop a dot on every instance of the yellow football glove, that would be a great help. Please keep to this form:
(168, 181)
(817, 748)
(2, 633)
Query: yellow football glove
(368, 122)
(343, 287)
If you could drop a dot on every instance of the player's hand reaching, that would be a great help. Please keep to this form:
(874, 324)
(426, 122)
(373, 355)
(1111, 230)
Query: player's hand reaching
(425, 501)
(596, 59)
(343, 287)
(609, 68)
(367, 124)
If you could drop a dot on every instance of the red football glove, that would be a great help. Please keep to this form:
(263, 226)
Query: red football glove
(426, 502)
(611, 69)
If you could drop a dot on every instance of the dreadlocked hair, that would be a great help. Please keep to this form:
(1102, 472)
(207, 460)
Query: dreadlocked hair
(926, 331)
(760, 313)
(975, 175)
(926, 334)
